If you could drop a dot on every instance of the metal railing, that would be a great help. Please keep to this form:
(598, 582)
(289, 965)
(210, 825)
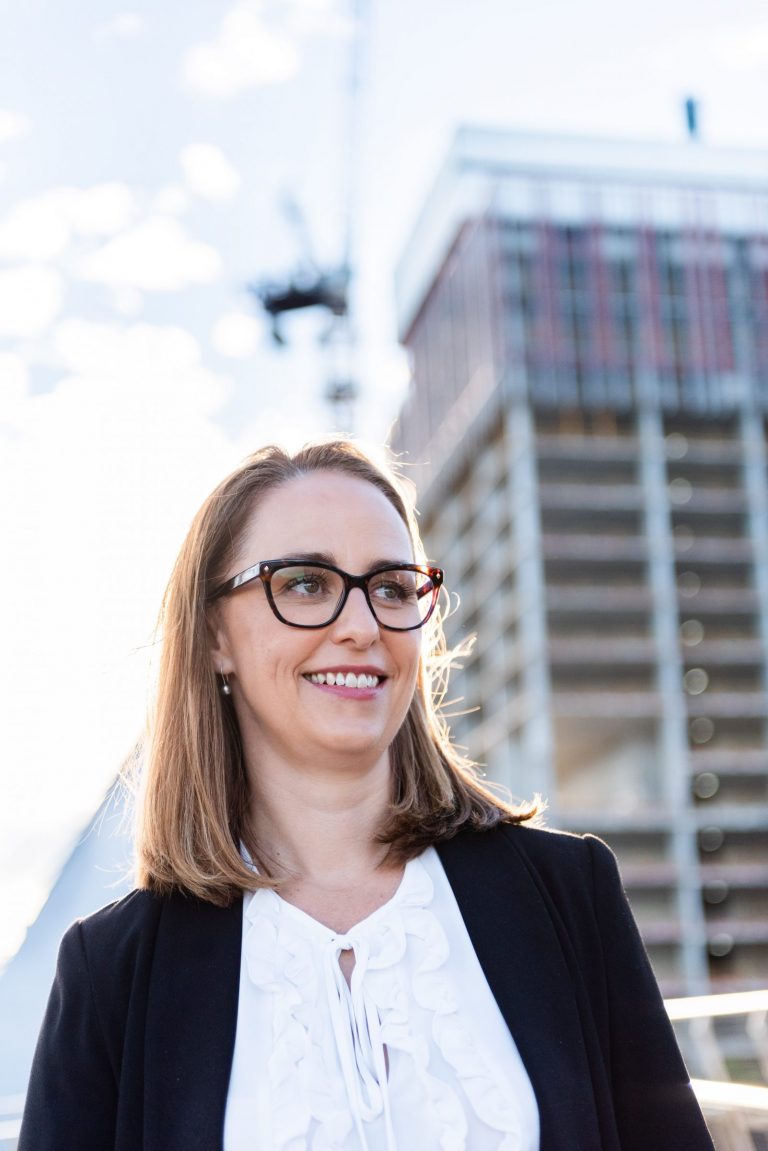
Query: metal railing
(724, 1036)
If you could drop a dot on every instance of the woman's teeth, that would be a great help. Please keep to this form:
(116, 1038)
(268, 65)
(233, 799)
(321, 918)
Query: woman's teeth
(342, 679)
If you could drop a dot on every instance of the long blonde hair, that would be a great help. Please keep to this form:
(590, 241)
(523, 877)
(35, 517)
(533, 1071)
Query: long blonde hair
(194, 793)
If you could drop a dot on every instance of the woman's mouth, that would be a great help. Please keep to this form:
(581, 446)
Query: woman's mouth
(360, 681)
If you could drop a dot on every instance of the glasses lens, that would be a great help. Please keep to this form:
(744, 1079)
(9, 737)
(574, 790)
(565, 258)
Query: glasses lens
(400, 598)
(306, 595)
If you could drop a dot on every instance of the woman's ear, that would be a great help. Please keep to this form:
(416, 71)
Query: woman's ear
(218, 643)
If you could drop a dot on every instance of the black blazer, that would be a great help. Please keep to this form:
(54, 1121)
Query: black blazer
(136, 1047)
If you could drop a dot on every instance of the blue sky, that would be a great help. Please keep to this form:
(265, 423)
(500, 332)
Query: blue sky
(144, 152)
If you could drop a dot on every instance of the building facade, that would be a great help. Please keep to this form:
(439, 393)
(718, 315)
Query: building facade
(587, 425)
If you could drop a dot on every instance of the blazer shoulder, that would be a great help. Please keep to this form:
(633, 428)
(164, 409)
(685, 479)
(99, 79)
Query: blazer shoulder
(572, 869)
(112, 940)
(125, 932)
(549, 847)
(132, 914)
(566, 860)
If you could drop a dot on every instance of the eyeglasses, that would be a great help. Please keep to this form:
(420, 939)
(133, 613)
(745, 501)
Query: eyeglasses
(401, 597)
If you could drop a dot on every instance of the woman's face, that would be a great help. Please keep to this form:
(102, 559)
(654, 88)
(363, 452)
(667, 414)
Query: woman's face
(284, 712)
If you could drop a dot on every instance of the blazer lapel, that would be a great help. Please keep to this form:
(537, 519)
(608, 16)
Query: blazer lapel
(517, 943)
(191, 1021)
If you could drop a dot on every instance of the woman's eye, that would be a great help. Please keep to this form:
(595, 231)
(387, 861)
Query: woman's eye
(305, 585)
(300, 583)
(393, 592)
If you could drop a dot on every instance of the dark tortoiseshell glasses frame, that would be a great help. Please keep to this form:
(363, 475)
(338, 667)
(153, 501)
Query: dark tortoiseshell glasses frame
(266, 569)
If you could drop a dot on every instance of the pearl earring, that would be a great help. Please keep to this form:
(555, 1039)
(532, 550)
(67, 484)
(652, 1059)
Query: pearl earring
(225, 688)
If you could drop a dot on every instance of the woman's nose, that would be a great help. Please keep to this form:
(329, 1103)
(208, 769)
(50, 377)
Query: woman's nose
(356, 620)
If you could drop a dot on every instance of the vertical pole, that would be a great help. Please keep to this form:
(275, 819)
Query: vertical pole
(752, 428)
(755, 465)
(673, 722)
(536, 734)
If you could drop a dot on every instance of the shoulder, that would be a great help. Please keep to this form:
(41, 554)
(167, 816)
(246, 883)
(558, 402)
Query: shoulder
(119, 922)
(543, 850)
(574, 873)
(112, 941)
(560, 851)
(513, 870)
(124, 934)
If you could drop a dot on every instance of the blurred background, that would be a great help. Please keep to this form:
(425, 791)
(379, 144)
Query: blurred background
(526, 246)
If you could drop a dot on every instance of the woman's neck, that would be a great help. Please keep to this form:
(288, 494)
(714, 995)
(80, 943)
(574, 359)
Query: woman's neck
(319, 827)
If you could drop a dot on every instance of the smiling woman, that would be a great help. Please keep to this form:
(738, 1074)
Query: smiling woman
(340, 937)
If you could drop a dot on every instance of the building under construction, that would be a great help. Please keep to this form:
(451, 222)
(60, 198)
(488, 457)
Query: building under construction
(588, 425)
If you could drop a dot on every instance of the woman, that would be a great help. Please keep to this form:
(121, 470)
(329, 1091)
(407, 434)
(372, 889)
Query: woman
(340, 939)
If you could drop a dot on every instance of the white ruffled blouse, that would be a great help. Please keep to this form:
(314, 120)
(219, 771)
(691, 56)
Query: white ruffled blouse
(414, 1053)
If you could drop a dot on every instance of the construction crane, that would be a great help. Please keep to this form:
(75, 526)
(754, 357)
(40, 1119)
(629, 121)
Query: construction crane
(312, 286)
(308, 286)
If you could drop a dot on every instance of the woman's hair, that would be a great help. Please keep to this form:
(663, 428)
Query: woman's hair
(194, 790)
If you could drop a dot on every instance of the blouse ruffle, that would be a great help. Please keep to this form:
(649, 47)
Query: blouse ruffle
(295, 960)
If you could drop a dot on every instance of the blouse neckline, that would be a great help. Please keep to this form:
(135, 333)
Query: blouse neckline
(361, 925)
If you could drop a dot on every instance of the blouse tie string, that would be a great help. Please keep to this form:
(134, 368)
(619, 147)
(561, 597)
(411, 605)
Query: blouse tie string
(357, 1032)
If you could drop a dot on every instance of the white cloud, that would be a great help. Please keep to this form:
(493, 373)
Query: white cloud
(30, 300)
(246, 53)
(319, 17)
(208, 173)
(236, 335)
(13, 386)
(155, 256)
(42, 227)
(171, 200)
(34, 229)
(128, 301)
(103, 209)
(122, 26)
(12, 125)
(139, 358)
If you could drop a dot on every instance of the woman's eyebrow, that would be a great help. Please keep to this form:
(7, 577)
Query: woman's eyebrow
(327, 558)
(309, 557)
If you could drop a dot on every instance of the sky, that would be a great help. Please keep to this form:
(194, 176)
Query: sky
(149, 155)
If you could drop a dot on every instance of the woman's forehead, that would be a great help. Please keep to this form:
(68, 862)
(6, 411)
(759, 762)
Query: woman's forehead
(323, 512)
